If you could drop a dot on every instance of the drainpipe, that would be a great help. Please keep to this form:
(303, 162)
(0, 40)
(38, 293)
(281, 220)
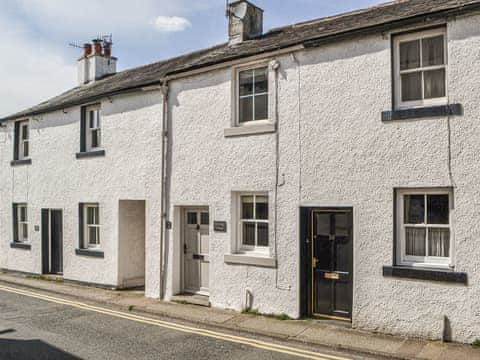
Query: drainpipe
(164, 89)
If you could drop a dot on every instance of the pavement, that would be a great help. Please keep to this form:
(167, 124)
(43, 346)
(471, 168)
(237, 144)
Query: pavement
(322, 336)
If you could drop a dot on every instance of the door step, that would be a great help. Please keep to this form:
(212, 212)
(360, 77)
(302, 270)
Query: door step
(192, 299)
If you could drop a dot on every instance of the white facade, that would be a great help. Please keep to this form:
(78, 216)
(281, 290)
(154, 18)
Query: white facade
(331, 149)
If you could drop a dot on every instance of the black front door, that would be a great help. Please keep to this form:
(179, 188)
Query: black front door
(56, 241)
(52, 241)
(332, 263)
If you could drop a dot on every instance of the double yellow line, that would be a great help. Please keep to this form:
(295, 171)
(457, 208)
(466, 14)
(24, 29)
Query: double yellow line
(178, 327)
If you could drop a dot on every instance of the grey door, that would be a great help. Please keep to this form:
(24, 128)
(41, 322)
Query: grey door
(196, 251)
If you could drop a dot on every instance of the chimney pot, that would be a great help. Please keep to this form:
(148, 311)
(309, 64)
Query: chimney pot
(87, 49)
(97, 47)
(107, 49)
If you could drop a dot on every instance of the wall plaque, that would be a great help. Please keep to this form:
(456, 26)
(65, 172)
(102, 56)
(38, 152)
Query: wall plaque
(220, 226)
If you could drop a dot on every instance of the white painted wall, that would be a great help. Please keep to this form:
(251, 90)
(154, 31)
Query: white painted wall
(335, 151)
(56, 179)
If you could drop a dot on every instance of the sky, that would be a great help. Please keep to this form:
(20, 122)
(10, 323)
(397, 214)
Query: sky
(37, 63)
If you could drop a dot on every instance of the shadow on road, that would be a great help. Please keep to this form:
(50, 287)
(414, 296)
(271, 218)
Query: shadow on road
(31, 349)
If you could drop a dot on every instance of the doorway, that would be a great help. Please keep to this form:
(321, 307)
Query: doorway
(196, 261)
(52, 241)
(328, 262)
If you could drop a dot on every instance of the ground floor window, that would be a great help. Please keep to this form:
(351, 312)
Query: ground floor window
(424, 230)
(253, 227)
(20, 223)
(90, 226)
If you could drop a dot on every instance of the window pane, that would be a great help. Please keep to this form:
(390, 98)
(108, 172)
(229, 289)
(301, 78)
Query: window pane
(261, 107)
(245, 109)
(93, 235)
(262, 234)
(23, 213)
(433, 51)
(248, 232)
(25, 149)
(205, 218)
(261, 207)
(92, 119)
(95, 138)
(412, 86)
(246, 83)
(410, 55)
(415, 241)
(438, 242)
(247, 207)
(92, 215)
(437, 209)
(434, 83)
(24, 132)
(24, 232)
(192, 218)
(414, 206)
(261, 80)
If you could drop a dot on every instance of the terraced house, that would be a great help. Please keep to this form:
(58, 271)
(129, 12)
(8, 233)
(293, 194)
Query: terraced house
(323, 169)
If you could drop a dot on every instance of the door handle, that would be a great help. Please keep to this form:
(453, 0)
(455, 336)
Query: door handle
(184, 248)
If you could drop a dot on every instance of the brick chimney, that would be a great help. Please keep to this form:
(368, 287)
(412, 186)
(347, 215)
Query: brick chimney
(96, 62)
(245, 21)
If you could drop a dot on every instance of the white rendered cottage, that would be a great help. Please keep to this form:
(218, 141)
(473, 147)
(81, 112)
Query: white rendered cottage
(327, 168)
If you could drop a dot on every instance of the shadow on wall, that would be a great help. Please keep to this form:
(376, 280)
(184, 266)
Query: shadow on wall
(11, 349)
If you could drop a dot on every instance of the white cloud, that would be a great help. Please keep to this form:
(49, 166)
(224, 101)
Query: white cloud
(171, 23)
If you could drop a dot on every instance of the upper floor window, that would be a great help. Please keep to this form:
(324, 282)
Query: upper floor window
(424, 227)
(253, 222)
(20, 223)
(91, 133)
(420, 65)
(252, 95)
(22, 140)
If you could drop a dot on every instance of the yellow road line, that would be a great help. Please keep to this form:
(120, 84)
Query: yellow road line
(178, 327)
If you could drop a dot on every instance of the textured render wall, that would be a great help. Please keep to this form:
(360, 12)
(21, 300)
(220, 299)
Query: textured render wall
(56, 179)
(131, 267)
(207, 168)
(334, 144)
(349, 157)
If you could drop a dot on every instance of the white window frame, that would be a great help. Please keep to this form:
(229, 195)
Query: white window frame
(423, 261)
(20, 223)
(21, 141)
(263, 250)
(89, 131)
(87, 226)
(236, 95)
(397, 40)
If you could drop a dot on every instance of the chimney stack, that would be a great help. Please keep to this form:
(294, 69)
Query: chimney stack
(95, 64)
(245, 21)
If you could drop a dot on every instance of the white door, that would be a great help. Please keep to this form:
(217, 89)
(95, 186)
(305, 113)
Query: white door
(196, 251)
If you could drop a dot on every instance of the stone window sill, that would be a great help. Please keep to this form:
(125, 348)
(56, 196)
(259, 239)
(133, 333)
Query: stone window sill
(19, 245)
(439, 275)
(88, 154)
(21, 162)
(423, 112)
(250, 130)
(90, 253)
(251, 259)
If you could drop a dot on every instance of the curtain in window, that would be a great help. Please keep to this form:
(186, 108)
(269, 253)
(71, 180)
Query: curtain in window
(438, 242)
(415, 241)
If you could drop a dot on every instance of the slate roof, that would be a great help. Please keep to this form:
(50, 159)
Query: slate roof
(323, 29)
